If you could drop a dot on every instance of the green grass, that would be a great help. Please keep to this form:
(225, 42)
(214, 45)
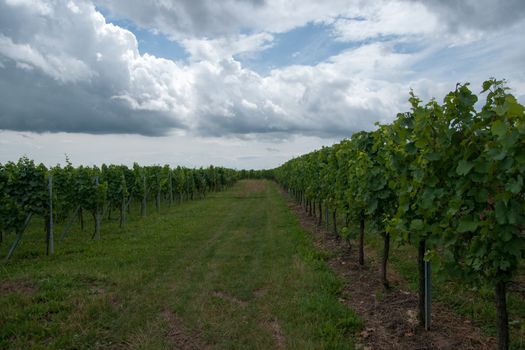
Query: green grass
(236, 269)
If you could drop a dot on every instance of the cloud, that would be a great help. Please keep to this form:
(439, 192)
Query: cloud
(211, 19)
(332, 98)
(484, 15)
(60, 67)
(448, 22)
(111, 88)
(223, 48)
(35, 102)
(64, 68)
(383, 19)
(353, 20)
(183, 150)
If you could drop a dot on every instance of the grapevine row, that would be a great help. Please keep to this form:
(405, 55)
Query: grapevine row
(446, 177)
(63, 194)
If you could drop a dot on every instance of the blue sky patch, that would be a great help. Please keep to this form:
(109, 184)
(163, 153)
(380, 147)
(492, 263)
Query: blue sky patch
(307, 45)
(156, 44)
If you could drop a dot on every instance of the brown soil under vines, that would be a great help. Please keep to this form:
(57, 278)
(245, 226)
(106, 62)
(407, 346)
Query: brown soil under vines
(390, 315)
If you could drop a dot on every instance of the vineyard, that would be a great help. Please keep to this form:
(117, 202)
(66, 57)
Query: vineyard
(66, 194)
(445, 178)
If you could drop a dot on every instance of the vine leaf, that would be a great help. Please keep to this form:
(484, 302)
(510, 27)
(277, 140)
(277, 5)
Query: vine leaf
(464, 167)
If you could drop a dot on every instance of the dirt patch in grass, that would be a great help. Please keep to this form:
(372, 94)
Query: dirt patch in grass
(390, 315)
(231, 299)
(16, 287)
(277, 334)
(97, 290)
(253, 187)
(180, 336)
(260, 292)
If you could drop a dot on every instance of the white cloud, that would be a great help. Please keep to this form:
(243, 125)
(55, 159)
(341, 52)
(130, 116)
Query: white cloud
(73, 7)
(87, 75)
(223, 48)
(70, 70)
(184, 150)
(248, 104)
(60, 67)
(354, 20)
(385, 18)
(211, 19)
(481, 15)
(38, 6)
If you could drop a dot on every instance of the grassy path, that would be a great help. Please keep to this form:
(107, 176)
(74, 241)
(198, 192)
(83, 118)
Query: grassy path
(234, 271)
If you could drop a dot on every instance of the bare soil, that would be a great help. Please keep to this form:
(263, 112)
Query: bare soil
(251, 187)
(16, 287)
(229, 298)
(390, 316)
(180, 336)
(277, 334)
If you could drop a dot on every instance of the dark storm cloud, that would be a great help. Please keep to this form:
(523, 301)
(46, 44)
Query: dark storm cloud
(63, 68)
(35, 102)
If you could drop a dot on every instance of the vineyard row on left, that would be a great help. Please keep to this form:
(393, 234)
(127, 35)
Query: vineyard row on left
(62, 194)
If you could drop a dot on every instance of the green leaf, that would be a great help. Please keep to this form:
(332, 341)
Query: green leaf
(410, 148)
(504, 264)
(372, 206)
(514, 213)
(498, 155)
(416, 224)
(464, 167)
(482, 195)
(432, 156)
(515, 185)
(498, 128)
(467, 225)
(501, 110)
(509, 140)
(486, 85)
(515, 246)
(500, 210)
(514, 108)
(506, 236)
(427, 199)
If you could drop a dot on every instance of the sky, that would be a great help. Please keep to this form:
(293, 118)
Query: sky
(236, 83)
